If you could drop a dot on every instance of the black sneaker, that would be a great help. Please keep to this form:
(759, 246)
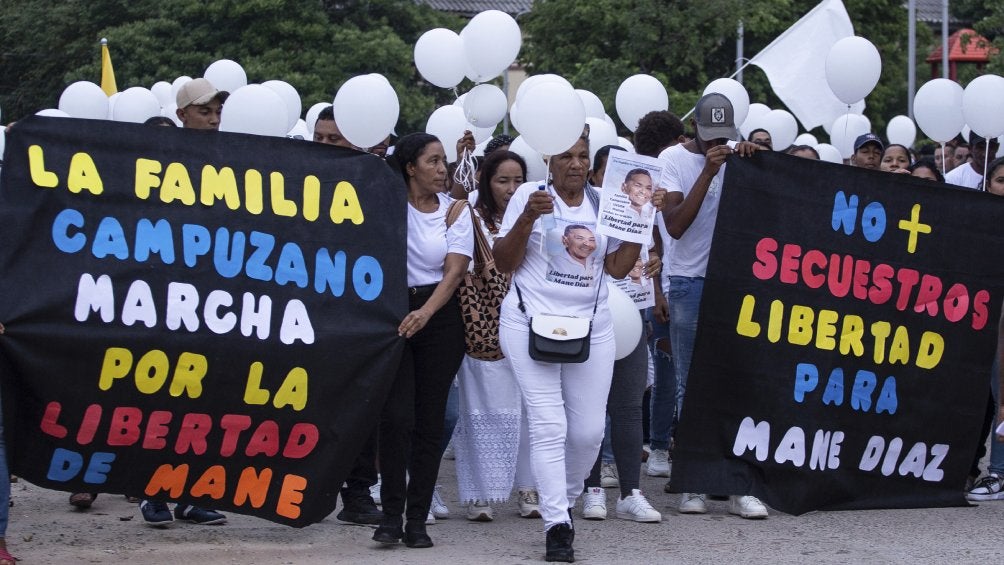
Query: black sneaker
(358, 508)
(559, 544)
(415, 535)
(389, 530)
(200, 516)
(156, 513)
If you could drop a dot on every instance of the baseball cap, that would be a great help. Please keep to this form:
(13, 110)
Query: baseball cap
(868, 138)
(715, 118)
(197, 92)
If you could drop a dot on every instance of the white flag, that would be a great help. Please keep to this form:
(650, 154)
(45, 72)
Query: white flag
(795, 64)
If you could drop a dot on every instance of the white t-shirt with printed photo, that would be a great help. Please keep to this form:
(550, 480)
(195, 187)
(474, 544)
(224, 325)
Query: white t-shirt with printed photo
(429, 241)
(680, 170)
(567, 276)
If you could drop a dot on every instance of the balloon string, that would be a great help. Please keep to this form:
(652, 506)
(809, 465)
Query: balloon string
(986, 162)
(467, 168)
(943, 171)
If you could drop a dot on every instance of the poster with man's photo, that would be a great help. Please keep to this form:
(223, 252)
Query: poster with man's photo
(574, 257)
(636, 285)
(626, 210)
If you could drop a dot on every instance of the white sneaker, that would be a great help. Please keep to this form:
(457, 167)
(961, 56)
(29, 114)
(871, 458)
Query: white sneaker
(438, 508)
(608, 476)
(748, 507)
(430, 520)
(594, 504)
(478, 511)
(990, 487)
(637, 508)
(375, 492)
(693, 503)
(658, 463)
(529, 503)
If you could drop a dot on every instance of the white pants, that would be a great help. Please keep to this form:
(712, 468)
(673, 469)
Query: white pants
(566, 412)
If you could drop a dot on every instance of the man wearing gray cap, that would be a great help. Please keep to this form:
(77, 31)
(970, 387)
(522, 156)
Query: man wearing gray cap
(692, 174)
(200, 105)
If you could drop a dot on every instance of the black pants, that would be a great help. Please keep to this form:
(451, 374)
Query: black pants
(364, 472)
(411, 426)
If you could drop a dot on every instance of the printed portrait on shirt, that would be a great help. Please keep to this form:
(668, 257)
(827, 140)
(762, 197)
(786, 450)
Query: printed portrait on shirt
(577, 261)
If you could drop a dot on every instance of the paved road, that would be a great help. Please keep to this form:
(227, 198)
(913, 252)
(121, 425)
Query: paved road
(44, 529)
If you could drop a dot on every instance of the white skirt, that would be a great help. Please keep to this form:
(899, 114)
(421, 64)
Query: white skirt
(486, 439)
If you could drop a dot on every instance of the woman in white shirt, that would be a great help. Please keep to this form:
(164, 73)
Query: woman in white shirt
(565, 403)
(411, 426)
(491, 444)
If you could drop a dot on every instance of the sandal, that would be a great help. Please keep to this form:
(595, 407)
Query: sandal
(7, 558)
(83, 499)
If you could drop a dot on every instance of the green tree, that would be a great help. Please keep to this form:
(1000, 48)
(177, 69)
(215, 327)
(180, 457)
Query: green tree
(314, 45)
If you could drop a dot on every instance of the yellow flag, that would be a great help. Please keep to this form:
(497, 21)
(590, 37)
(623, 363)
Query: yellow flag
(107, 73)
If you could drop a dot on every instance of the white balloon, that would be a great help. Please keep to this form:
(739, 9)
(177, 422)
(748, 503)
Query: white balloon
(937, 107)
(176, 86)
(3, 141)
(136, 105)
(300, 129)
(485, 105)
(637, 96)
(479, 149)
(853, 68)
(514, 116)
(255, 109)
(627, 145)
(600, 134)
(52, 113)
(845, 130)
(552, 117)
(111, 103)
(84, 99)
(171, 111)
(592, 104)
(439, 57)
(226, 75)
(983, 105)
(737, 95)
(610, 121)
(312, 113)
(806, 139)
(536, 80)
(491, 43)
(754, 118)
(366, 110)
(291, 99)
(901, 130)
(782, 127)
(536, 169)
(829, 153)
(626, 321)
(164, 93)
(448, 124)
(460, 100)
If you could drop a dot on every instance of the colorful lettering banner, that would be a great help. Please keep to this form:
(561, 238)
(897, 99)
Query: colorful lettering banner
(194, 315)
(846, 334)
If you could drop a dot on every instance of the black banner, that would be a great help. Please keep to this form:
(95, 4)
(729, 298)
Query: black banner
(193, 315)
(847, 329)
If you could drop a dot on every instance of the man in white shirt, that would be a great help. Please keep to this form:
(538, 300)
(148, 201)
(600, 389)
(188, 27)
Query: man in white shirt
(970, 174)
(693, 173)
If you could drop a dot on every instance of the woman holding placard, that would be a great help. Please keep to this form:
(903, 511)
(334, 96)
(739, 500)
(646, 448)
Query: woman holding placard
(565, 401)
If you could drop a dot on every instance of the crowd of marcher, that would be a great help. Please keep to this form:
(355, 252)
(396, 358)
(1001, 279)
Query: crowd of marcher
(551, 433)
